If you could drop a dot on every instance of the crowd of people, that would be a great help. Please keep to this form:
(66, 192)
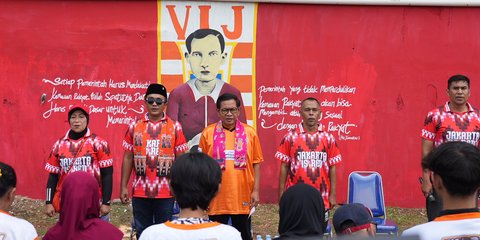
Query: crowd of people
(217, 181)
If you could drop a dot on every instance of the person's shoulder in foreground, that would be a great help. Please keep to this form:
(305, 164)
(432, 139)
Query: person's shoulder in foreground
(11, 227)
(454, 168)
(174, 231)
(195, 180)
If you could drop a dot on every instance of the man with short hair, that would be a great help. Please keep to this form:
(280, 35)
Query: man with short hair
(236, 147)
(193, 103)
(454, 172)
(309, 155)
(151, 146)
(354, 219)
(457, 120)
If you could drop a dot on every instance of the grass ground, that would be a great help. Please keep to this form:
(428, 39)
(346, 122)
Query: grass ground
(265, 220)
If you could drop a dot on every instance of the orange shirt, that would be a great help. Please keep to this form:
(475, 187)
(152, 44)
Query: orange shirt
(237, 185)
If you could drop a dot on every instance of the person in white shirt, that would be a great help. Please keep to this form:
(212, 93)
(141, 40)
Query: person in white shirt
(194, 179)
(454, 172)
(12, 228)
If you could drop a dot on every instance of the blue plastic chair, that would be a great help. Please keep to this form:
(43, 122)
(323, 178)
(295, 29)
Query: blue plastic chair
(367, 188)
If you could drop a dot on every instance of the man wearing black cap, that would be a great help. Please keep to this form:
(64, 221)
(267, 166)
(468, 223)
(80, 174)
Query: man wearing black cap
(151, 145)
(79, 150)
(354, 219)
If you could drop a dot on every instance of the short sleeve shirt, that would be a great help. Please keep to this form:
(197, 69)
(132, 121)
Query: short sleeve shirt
(159, 143)
(310, 156)
(442, 125)
(237, 185)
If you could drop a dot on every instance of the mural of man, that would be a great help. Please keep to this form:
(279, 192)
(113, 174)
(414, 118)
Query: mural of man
(193, 103)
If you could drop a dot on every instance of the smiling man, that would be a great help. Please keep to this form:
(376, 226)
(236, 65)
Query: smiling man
(236, 148)
(458, 121)
(151, 145)
(193, 103)
(309, 155)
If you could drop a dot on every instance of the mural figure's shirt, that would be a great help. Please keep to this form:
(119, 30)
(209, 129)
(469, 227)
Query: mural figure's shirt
(189, 107)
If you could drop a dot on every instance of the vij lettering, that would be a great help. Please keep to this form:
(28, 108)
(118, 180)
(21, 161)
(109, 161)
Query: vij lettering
(204, 12)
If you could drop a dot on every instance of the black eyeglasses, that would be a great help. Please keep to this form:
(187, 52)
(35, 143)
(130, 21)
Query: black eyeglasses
(225, 111)
(152, 100)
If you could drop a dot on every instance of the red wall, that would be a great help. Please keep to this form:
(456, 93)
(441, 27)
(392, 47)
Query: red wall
(397, 58)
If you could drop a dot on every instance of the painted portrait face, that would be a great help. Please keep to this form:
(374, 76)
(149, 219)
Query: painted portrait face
(78, 121)
(310, 112)
(206, 58)
(459, 92)
(154, 107)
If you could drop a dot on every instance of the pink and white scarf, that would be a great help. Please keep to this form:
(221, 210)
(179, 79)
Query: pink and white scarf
(240, 159)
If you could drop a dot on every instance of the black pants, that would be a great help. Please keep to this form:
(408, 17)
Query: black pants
(239, 221)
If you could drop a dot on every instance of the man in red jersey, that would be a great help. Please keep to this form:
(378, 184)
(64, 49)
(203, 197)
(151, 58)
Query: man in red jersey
(151, 145)
(309, 155)
(457, 120)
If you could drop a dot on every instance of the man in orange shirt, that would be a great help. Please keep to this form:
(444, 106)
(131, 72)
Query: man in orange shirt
(236, 148)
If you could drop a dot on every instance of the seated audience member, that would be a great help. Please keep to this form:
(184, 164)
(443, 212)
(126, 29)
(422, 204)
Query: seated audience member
(194, 180)
(11, 228)
(455, 168)
(80, 211)
(302, 213)
(354, 219)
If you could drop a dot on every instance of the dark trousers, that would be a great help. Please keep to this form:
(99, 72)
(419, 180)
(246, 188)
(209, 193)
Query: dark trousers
(239, 221)
(149, 211)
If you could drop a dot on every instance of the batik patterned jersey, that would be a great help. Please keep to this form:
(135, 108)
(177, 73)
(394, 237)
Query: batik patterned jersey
(310, 156)
(442, 125)
(154, 146)
(88, 154)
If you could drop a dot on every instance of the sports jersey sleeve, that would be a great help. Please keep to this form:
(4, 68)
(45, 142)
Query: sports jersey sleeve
(429, 127)
(181, 145)
(127, 143)
(257, 150)
(103, 153)
(53, 164)
(333, 152)
(283, 151)
(203, 144)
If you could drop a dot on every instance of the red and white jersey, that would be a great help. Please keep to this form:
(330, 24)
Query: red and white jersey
(310, 156)
(88, 154)
(156, 144)
(12, 228)
(442, 125)
(449, 227)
